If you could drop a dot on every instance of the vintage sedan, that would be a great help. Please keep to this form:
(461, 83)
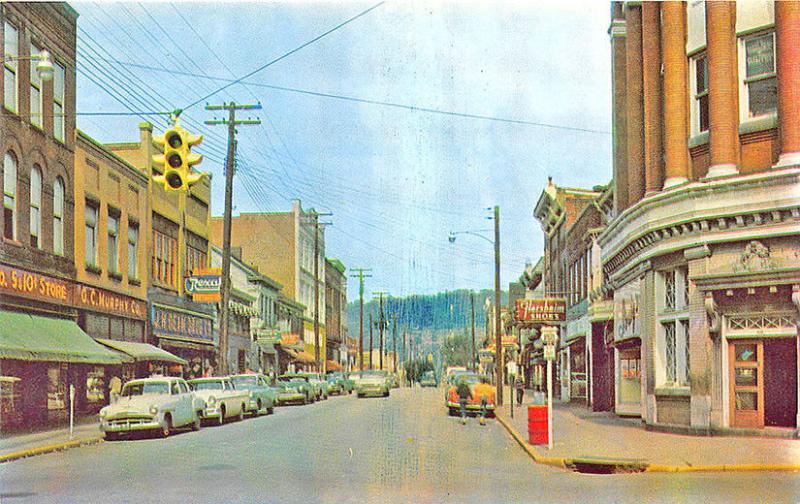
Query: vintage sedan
(340, 383)
(262, 395)
(428, 379)
(295, 389)
(371, 383)
(221, 398)
(320, 385)
(157, 404)
(474, 402)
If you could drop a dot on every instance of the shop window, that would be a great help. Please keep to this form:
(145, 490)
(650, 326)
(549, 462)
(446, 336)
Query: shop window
(686, 352)
(96, 385)
(113, 242)
(91, 224)
(669, 346)
(9, 196)
(630, 376)
(759, 94)
(57, 387)
(36, 207)
(59, 77)
(58, 216)
(10, 67)
(36, 91)
(133, 250)
(699, 109)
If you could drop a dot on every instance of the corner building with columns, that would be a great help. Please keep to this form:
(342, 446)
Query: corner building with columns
(703, 251)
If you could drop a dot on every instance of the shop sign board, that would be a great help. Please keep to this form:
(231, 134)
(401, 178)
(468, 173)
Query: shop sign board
(110, 302)
(204, 285)
(542, 310)
(181, 324)
(22, 283)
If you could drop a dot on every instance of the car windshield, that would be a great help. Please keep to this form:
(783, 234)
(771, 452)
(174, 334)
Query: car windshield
(207, 385)
(292, 379)
(144, 388)
(245, 381)
(469, 378)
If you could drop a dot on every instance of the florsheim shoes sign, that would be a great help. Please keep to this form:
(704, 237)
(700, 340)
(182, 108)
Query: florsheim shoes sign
(204, 285)
(542, 310)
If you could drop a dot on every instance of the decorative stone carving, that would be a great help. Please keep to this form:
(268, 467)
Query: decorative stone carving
(714, 319)
(756, 257)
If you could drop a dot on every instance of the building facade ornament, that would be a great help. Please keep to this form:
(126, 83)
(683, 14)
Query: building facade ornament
(714, 319)
(756, 257)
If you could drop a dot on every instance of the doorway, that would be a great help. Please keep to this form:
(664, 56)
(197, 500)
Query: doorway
(780, 382)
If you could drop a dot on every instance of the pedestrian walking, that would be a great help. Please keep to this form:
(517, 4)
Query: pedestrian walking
(519, 384)
(485, 392)
(463, 396)
(114, 388)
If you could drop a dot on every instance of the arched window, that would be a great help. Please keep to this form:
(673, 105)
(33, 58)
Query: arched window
(36, 206)
(9, 196)
(58, 216)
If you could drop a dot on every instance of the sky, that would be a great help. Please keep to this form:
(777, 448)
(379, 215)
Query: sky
(397, 178)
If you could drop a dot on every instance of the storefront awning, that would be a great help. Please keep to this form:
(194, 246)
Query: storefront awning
(142, 351)
(37, 338)
(266, 346)
(333, 365)
(301, 356)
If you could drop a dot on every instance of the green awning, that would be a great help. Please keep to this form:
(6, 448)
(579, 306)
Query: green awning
(142, 351)
(266, 346)
(36, 338)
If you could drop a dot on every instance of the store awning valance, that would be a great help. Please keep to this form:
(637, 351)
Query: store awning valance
(142, 351)
(36, 338)
(301, 356)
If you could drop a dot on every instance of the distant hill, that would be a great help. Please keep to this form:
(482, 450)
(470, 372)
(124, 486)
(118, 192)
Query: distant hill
(426, 317)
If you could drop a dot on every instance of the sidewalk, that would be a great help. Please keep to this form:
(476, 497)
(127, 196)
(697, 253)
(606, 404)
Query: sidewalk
(585, 438)
(19, 445)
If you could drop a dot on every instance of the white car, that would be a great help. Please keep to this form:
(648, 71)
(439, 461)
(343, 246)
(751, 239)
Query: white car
(221, 398)
(157, 403)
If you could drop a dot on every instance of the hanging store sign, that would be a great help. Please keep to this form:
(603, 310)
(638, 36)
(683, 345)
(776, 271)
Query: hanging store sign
(204, 285)
(542, 310)
(181, 324)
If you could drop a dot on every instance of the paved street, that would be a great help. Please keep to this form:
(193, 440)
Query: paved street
(401, 449)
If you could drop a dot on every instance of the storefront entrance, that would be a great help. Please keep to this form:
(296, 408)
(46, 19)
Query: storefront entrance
(763, 382)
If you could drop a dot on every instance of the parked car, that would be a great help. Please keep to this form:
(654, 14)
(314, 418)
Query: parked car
(345, 384)
(158, 404)
(372, 383)
(295, 389)
(320, 384)
(222, 399)
(428, 379)
(262, 395)
(474, 402)
(453, 373)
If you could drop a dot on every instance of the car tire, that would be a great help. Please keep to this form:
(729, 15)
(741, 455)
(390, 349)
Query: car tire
(166, 427)
(258, 410)
(270, 410)
(359, 395)
(241, 414)
(197, 421)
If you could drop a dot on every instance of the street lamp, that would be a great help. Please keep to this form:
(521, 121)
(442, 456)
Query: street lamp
(44, 67)
(499, 365)
(550, 340)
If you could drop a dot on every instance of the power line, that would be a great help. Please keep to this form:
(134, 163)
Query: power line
(340, 25)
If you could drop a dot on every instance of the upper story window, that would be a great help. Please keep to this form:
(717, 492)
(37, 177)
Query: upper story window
(36, 91)
(91, 223)
(9, 196)
(164, 262)
(133, 250)
(36, 207)
(759, 92)
(699, 83)
(113, 242)
(59, 75)
(58, 216)
(10, 67)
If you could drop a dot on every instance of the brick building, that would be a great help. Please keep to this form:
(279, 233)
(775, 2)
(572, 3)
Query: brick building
(702, 254)
(336, 312)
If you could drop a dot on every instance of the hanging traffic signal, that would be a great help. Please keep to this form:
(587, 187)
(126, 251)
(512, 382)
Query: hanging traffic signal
(177, 159)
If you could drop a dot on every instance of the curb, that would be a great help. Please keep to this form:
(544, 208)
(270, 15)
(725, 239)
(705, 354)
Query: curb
(593, 465)
(41, 450)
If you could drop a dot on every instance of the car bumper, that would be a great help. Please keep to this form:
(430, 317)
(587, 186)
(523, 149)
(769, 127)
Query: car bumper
(371, 391)
(211, 413)
(470, 406)
(290, 398)
(129, 425)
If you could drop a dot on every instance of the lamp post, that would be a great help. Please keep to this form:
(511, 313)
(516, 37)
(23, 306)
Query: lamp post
(550, 340)
(499, 365)
(44, 67)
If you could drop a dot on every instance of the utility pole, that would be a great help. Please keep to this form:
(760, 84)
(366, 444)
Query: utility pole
(394, 343)
(498, 337)
(226, 227)
(370, 339)
(361, 276)
(472, 305)
(405, 369)
(380, 327)
(316, 223)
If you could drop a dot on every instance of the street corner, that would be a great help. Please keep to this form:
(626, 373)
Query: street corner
(48, 448)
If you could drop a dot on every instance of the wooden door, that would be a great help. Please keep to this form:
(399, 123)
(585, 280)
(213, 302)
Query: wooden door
(746, 359)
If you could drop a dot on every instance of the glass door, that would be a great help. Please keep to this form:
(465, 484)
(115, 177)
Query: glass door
(747, 383)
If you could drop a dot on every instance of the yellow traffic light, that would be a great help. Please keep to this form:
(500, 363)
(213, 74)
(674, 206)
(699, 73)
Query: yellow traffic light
(177, 159)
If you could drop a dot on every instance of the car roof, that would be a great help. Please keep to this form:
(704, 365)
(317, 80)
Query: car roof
(208, 379)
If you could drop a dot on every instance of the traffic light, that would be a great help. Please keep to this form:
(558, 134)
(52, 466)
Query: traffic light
(177, 159)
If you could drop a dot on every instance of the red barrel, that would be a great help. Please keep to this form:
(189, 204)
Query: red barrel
(537, 424)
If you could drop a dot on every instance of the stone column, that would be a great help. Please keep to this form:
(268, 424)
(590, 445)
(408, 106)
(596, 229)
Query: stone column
(634, 104)
(676, 96)
(787, 42)
(651, 84)
(706, 398)
(723, 88)
(618, 117)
